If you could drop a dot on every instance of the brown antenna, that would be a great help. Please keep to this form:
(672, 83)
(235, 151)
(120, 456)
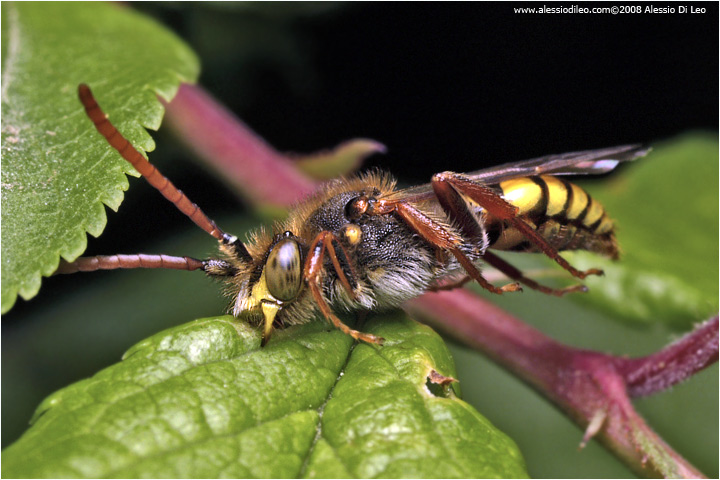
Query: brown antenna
(146, 169)
(214, 267)
(140, 260)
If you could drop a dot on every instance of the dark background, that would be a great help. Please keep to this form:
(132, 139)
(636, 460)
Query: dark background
(454, 86)
(445, 86)
(451, 86)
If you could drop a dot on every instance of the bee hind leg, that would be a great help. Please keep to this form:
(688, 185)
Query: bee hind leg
(448, 186)
(517, 275)
(451, 285)
(440, 237)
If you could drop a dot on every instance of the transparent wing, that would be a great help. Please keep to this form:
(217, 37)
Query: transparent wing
(587, 162)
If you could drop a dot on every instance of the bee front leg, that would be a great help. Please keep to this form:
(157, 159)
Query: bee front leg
(326, 243)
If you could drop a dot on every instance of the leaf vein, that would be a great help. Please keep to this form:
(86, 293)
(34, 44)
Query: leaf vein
(320, 412)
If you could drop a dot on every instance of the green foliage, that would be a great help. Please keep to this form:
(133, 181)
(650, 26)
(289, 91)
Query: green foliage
(57, 172)
(666, 210)
(186, 401)
(665, 207)
(203, 400)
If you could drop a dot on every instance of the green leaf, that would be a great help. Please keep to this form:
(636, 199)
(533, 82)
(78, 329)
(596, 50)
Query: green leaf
(666, 210)
(341, 160)
(203, 400)
(55, 175)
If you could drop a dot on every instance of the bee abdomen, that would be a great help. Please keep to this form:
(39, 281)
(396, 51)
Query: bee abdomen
(564, 214)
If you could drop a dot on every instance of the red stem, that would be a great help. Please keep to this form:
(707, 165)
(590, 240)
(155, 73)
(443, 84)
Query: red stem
(265, 177)
(587, 385)
(673, 364)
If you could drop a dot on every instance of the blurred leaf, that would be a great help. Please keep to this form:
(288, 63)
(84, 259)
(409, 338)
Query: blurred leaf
(55, 175)
(666, 210)
(341, 160)
(665, 207)
(203, 400)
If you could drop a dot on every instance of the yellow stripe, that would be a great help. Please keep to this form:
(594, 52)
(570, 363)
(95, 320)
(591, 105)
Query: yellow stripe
(508, 239)
(594, 213)
(557, 193)
(606, 225)
(578, 203)
(522, 193)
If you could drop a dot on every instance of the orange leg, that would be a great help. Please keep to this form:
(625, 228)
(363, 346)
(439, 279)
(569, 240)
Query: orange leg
(438, 236)
(450, 285)
(447, 185)
(323, 244)
(516, 274)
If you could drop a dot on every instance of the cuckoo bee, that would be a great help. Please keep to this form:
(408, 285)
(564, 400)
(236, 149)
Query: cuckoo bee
(362, 244)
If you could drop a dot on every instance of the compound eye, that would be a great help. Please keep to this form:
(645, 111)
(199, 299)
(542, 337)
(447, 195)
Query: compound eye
(356, 207)
(283, 270)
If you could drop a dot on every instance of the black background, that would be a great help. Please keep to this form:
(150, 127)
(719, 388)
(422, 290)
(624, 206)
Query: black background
(445, 86)
(451, 86)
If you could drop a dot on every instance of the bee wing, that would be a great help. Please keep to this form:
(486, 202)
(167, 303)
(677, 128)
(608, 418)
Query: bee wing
(574, 163)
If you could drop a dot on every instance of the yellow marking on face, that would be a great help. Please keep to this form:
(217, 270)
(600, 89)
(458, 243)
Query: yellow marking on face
(260, 292)
(258, 295)
(578, 202)
(523, 193)
(557, 195)
(352, 233)
(269, 310)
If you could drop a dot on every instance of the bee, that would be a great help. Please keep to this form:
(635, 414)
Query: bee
(362, 244)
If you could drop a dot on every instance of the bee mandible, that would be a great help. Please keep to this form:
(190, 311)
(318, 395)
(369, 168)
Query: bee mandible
(362, 244)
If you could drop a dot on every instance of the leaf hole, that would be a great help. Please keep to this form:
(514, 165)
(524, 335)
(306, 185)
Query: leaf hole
(438, 385)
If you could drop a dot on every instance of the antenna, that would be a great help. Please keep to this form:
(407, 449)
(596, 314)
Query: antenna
(147, 170)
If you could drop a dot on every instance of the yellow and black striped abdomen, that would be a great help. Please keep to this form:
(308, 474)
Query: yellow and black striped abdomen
(563, 213)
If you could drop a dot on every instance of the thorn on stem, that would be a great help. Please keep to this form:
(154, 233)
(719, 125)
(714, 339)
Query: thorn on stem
(593, 427)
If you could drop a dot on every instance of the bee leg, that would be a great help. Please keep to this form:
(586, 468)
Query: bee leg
(438, 236)
(325, 243)
(516, 274)
(448, 185)
(450, 285)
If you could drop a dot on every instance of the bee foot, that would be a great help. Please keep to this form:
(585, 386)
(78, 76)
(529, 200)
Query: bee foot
(511, 287)
(592, 271)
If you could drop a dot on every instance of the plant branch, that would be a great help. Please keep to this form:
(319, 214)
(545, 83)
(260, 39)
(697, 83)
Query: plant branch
(271, 181)
(264, 176)
(673, 364)
(586, 385)
(594, 389)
